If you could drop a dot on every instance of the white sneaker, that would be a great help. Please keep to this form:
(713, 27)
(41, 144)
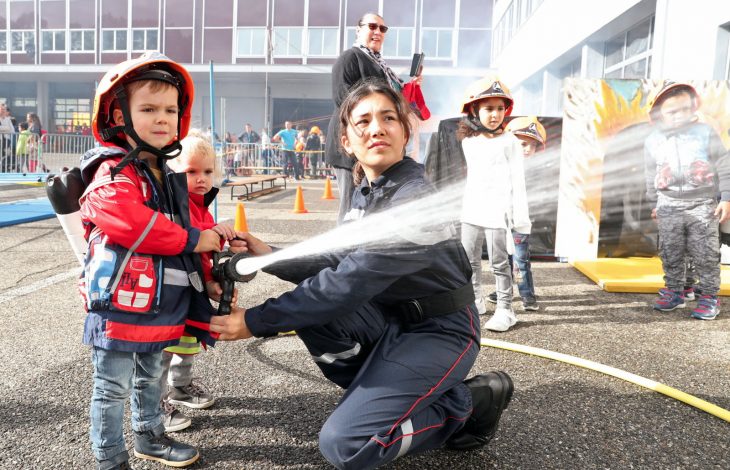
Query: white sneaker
(502, 320)
(481, 306)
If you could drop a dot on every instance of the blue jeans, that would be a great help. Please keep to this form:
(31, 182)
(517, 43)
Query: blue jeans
(522, 259)
(116, 375)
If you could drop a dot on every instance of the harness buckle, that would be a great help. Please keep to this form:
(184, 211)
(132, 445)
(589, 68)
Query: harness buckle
(413, 311)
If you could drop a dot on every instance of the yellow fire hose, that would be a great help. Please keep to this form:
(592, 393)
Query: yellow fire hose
(618, 373)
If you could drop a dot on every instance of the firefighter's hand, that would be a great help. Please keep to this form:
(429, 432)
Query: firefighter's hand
(247, 243)
(225, 231)
(208, 241)
(215, 291)
(231, 327)
(723, 211)
(653, 214)
(418, 79)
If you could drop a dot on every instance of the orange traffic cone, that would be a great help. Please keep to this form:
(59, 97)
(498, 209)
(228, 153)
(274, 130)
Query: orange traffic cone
(299, 202)
(327, 190)
(240, 224)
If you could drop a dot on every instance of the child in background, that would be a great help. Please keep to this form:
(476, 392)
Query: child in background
(531, 134)
(197, 160)
(21, 148)
(686, 168)
(495, 200)
(139, 281)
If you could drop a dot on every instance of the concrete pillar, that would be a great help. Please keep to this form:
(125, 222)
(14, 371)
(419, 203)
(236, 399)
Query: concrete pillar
(591, 64)
(552, 93)
(44, 105)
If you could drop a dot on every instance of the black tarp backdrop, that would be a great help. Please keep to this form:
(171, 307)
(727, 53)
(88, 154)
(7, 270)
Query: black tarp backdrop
(445, 165)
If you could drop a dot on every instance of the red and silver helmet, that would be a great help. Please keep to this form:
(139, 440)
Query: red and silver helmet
(111, 94)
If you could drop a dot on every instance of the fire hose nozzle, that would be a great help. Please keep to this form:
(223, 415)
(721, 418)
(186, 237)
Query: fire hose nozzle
(224, 271)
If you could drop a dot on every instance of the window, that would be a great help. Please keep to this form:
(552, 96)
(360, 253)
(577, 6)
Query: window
(322, 42)
(71, 112)
(3, 41)
(24, 103)
(436, 43)
(83, 40)
(251, 42)
(398, 42)
(114, 40)
(144, 40)
(288, 42)
(515, 15)
(628, 55)
(349, 37)
(54, 41)
(23, 41)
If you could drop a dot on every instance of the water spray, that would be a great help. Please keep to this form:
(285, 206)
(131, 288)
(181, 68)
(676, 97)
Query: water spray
(425, 221)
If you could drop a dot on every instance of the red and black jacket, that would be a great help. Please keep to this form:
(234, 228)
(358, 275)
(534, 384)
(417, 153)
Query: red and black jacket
(141, 277)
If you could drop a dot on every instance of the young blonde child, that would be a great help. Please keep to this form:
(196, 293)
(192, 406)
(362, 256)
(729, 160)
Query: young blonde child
(198, 161)
(495, 201)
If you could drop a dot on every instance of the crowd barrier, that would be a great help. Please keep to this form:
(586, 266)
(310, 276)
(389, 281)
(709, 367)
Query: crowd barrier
(240, 159)
(43, 154)
(52, 152)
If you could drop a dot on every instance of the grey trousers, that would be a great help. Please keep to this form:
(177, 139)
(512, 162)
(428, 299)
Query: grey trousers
(472, 237)
(177, 371)
(689, 228)
(345, 186)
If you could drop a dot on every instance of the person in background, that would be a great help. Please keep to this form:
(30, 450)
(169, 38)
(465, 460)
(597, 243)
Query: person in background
(495, 173)
(288, 139)
(7, 130)
(198, 162)
(532, 137)
(686, 167)
(267, 153)
(361, 61)
(302, 159)
(313, 147)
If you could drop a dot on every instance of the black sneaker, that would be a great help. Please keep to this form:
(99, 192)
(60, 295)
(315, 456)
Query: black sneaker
(492, 297)
(530, 305)
(491, 394)
(163, 449)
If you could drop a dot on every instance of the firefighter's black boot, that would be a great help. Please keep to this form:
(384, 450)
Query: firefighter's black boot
(491, 394)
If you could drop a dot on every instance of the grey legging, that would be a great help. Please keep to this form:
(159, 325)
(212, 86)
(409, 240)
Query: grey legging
(472, 237)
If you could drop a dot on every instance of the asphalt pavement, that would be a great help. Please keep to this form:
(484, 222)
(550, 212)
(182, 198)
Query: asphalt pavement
(272, 400)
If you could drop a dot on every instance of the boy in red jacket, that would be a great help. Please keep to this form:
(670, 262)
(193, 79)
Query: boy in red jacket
(140, 278)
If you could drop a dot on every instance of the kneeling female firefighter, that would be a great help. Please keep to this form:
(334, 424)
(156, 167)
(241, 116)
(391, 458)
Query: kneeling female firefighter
(396, 327)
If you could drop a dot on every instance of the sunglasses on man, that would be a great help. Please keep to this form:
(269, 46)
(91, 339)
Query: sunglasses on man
(374, 26)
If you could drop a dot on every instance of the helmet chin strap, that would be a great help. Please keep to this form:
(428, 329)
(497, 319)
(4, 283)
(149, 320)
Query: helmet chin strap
(476, 125)
(167, 152)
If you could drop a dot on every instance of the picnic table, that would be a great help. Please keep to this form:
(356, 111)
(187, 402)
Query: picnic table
(248, 183)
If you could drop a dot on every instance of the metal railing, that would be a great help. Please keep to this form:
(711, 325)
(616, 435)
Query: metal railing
(42, 154)
(240, 159)
(52, 152)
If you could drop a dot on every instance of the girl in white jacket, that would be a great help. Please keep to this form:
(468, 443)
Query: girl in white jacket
(495, 200)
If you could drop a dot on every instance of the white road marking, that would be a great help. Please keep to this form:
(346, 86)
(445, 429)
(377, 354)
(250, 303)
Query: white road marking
(38, 285)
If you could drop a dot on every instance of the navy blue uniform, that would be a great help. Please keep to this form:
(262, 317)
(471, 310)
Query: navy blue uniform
(403, 378)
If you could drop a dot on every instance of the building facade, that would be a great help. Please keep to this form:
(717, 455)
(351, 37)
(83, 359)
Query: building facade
(272, 59)
(538, 43)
